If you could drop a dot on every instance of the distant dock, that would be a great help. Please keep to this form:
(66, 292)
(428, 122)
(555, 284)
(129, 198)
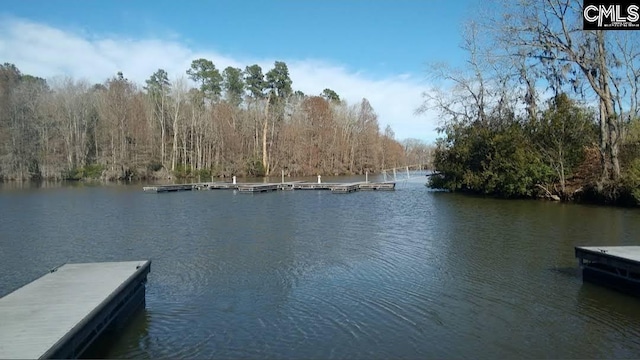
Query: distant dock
(616, 267)
(267, 187)
(62, 313)
(390, 178)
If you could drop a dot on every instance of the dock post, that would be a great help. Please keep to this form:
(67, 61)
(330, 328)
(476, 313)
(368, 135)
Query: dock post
(319, 181)
(366, 177)
(283, 176)
(394, 175)
(234, 179)
(407, 172)
(384, 174)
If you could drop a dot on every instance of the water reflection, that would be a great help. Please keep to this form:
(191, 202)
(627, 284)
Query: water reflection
(610, 321)
(137, 327)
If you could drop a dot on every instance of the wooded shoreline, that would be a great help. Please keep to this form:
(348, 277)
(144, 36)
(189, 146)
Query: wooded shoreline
(211, 124)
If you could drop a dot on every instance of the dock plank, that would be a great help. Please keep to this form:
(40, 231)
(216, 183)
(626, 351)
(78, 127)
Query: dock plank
(37, 316)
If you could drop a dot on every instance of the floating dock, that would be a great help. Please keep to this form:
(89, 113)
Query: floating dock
(219, 186)
(345, 188)
(314, 186)
(616, 267)
(253, 188)
(383, 186)
(267, 187)
(169, 188)
(62, 313)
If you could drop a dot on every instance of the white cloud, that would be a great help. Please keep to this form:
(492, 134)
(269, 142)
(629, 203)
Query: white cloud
(45, 51)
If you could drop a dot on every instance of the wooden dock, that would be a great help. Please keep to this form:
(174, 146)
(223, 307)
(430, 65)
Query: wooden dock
(220, 186)
(383, 186)
(62, 313)
(169, 188)
(258, 188)
(268, 187)
(617, 267)
(313, 186)
(345, 188)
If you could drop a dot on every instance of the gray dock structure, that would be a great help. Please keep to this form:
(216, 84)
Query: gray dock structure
(62, 313)
(267, 187)
(616, 267)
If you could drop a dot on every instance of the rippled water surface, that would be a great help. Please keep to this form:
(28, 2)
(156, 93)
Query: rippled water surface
(309, 274)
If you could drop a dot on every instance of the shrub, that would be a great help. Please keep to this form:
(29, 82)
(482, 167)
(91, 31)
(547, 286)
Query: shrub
(154, 165)
(255, 168)
(92, 171)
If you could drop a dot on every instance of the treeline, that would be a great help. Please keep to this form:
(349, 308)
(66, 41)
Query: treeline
(233, 122)
(543, 108)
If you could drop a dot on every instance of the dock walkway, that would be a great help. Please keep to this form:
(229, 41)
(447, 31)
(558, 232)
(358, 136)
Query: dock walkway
(267, 187)
(62, 313)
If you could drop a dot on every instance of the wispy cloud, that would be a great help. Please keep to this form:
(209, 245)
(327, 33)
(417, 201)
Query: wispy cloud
(46, 51)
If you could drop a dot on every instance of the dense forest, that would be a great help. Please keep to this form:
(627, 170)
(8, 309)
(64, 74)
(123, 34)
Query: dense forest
(542, 108)
(206, 123)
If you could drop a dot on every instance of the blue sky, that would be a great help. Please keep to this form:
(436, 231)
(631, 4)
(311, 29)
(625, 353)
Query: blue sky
(354, 46)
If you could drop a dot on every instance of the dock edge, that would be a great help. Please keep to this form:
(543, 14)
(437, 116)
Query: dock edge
(113, 311)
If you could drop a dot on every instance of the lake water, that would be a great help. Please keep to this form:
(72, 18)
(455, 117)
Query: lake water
(412, 273)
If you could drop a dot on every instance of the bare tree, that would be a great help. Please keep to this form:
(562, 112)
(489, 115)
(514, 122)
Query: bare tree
(73, 117)
(178, 93)
(158, 87)
(550, 31)
(465, 95)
